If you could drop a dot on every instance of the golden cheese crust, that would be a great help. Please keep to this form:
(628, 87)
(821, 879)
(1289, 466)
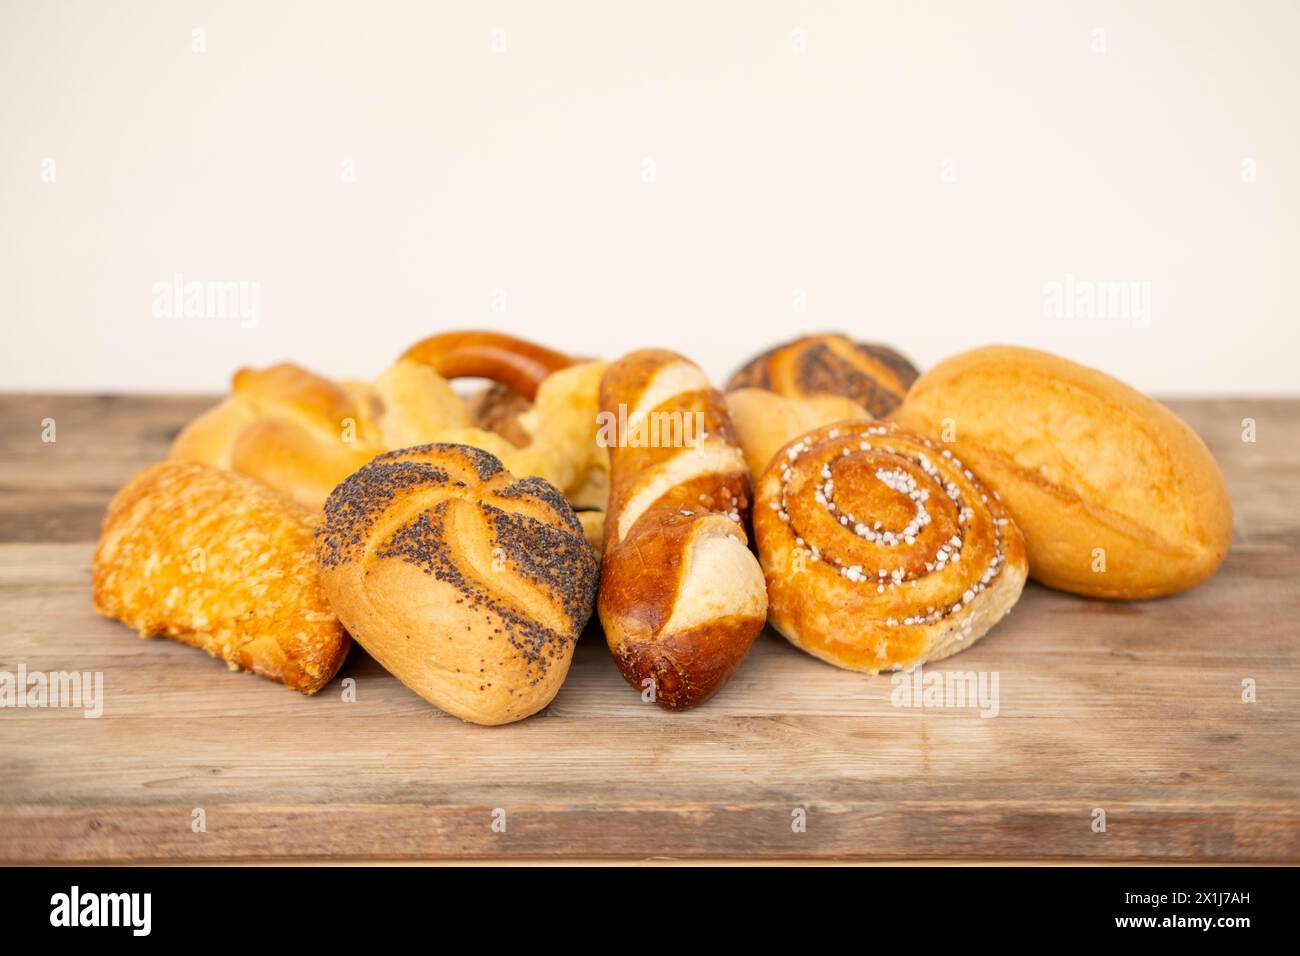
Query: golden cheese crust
(219, 561)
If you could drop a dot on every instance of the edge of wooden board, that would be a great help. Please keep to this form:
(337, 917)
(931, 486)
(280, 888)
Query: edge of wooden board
(895, 831)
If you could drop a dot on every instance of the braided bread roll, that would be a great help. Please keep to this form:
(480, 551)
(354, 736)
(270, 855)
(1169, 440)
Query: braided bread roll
(284, 426)
(881, 550)
(302, 433)
(681, 595)
(874, 376)
(467, 584)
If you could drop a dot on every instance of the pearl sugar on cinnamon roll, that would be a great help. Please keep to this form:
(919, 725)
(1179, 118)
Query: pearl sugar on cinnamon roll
(881, 550)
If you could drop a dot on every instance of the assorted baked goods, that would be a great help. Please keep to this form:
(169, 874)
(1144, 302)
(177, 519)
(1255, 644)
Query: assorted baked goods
(1117, 497)
(882, 550)
(874, 376)
(302, 433)
(464, 540)
(681, 595)
(469, 585)
(219, 561)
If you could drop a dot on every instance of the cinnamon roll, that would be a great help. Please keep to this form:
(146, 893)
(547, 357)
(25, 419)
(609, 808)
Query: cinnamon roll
(882, 550)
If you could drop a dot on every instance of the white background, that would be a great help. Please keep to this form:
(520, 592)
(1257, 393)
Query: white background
(523, 170)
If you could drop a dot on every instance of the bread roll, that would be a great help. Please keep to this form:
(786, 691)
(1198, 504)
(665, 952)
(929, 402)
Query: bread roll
(302, 434)
(406, 405)
(873, 376)
(1116, 496)
(517, 363)
(284, 426)
(219, 561)
(469, 585)
(765, 420)
(681, 595)
(561, 427)
(881, 550)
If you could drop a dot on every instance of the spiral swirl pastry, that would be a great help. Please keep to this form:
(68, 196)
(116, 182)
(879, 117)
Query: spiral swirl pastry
(882, 550)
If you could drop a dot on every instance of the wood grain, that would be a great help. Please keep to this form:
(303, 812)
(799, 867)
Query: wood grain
(1132, 708)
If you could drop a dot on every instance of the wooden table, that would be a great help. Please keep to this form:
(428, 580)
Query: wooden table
(1134, 709)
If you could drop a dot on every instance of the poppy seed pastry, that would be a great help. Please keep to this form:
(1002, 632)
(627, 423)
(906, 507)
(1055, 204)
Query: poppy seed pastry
(874, 376)
(882, 550)
(467, 584)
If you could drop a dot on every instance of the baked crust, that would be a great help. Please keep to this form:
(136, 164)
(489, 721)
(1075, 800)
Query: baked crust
(218, 561)
(880, 549)
(765, 421)
(286, 427)
(874, 376)
(1117, 497)
(467, 584)
(302, 434)
(517, 363)
(681, 595)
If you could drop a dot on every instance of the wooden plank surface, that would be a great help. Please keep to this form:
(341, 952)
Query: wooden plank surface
(1135, 709)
